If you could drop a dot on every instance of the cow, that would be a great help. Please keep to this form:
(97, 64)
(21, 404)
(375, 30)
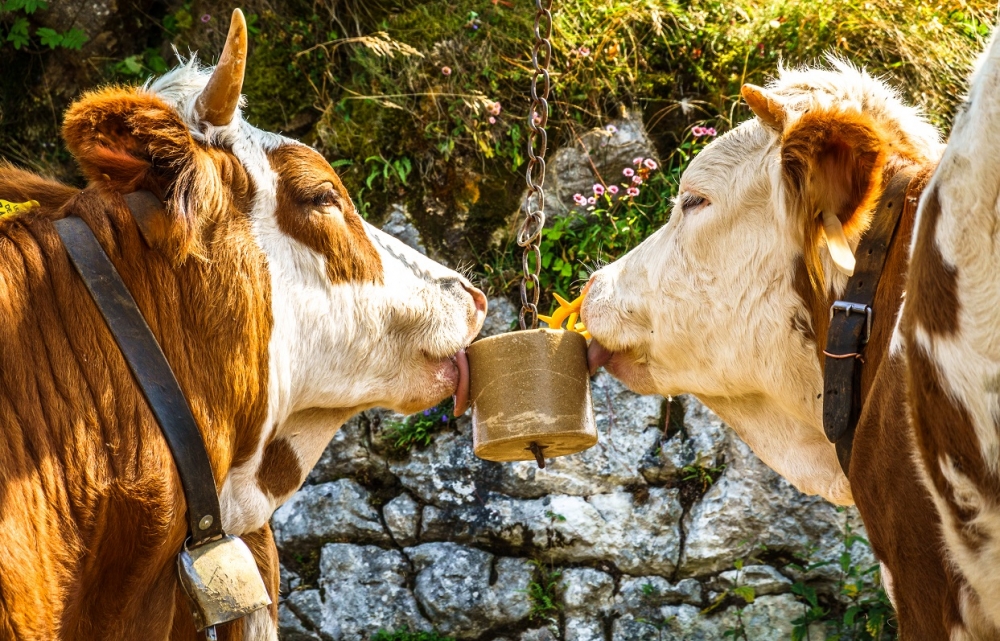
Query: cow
(948, 336)
(733, 299)
(281, 311)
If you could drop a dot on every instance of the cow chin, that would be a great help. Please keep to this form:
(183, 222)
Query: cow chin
(632, 372)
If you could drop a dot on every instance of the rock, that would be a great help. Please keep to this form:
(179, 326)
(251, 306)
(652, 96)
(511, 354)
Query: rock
(586, 591)
(750, 506)
(303, 613)
(642, 595)
(762, 578)
(769, 618)
(399, 226)
(291, 628)
(364, 591)
(501, 317)
(401, 517)
(628, 426)
(703, 441)
(581, 629)
(287, 580)
(672, 623)
(453, 586)
(447, 472)
(640, 537)
(539, 634)
(336, 511)
(571, 171)
(348, 454)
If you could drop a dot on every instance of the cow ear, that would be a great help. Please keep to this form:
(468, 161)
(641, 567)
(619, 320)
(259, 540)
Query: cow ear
(832, 163)
(130, 140)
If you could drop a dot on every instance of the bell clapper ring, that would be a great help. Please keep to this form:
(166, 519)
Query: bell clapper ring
(210, 633)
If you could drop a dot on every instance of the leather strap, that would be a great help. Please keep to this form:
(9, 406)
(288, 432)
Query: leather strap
(152, 373)
(850, 322)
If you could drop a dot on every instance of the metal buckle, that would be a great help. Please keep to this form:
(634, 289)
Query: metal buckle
(848, 307)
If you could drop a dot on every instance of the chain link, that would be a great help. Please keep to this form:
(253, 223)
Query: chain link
(530, 232)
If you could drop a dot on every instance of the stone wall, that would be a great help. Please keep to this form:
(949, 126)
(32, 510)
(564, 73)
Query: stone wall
(637, 543)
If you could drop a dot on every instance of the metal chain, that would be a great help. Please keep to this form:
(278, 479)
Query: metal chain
(530, 232)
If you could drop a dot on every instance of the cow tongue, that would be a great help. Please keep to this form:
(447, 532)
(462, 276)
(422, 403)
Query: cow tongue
(462, 391)
(597, 355)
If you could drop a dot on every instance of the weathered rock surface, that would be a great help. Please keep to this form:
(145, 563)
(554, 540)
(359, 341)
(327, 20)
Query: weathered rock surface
(364, 590)
(455, 589)
(335, 511)
(632, 541)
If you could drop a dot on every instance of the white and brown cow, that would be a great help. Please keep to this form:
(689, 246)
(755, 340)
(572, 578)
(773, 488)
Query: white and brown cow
(280, 310)
(730, 301)
(950, 335)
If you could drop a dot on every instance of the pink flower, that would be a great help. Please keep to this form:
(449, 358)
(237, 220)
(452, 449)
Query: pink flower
(636, 180)
(698, 132)
(583, 51)
(611, 129)
(612, 189)
(206, 18)
(598, 189)
(650, 164)
(446, 71)
(710, 131)
(637, 160)
(495, 109)
(493, 120)
(632, 191)
(536, 118)
(629, 172)
(591, 200)
(579, 199)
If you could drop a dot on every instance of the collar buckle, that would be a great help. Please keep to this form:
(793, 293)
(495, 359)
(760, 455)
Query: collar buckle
(848, 308)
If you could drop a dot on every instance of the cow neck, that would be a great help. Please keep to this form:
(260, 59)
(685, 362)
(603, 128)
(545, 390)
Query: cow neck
(149, 367)
(862, 318)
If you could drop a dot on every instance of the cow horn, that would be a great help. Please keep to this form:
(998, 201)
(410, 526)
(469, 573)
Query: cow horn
(765, 105)
(218, 101)
(836, 241)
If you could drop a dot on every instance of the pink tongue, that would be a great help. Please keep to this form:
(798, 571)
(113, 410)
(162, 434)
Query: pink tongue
(597, 355)
(462, 391)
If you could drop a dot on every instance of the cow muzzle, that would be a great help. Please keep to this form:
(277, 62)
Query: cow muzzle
(222, 582)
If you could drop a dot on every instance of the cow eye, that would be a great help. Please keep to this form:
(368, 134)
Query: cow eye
(325, 198)
(691, 202)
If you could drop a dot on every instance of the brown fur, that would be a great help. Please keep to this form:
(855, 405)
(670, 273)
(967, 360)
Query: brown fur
(280, 472)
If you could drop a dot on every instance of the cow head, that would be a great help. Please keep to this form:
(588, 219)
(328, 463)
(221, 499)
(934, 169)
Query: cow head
(352, 318)
(727, 299)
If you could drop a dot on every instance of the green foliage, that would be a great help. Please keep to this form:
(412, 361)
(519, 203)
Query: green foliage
(13, 15)
(703, 475)
(542, 592)
(404, 634)
(417, 430)
(868, 615)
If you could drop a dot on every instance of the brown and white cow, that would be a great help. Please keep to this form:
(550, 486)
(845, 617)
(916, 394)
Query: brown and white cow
(280, 310)
(730, 301)
(950, 335)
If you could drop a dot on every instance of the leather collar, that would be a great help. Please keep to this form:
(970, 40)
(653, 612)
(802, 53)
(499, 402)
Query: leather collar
(149, 366)
(851, 321)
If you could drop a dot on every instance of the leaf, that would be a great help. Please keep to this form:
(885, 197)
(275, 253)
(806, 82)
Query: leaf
(343, 162)
(745, 592)
(850, 615)
(132, 66)
(30, 6)
(738, 564)
(74, 39)
(19, 33)
(49, 37)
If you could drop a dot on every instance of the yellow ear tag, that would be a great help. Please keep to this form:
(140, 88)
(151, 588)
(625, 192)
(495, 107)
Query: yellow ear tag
(12, 209)
(567, 311)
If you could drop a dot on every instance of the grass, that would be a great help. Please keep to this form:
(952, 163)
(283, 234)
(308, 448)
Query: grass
(404, 634)
(417, 430)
